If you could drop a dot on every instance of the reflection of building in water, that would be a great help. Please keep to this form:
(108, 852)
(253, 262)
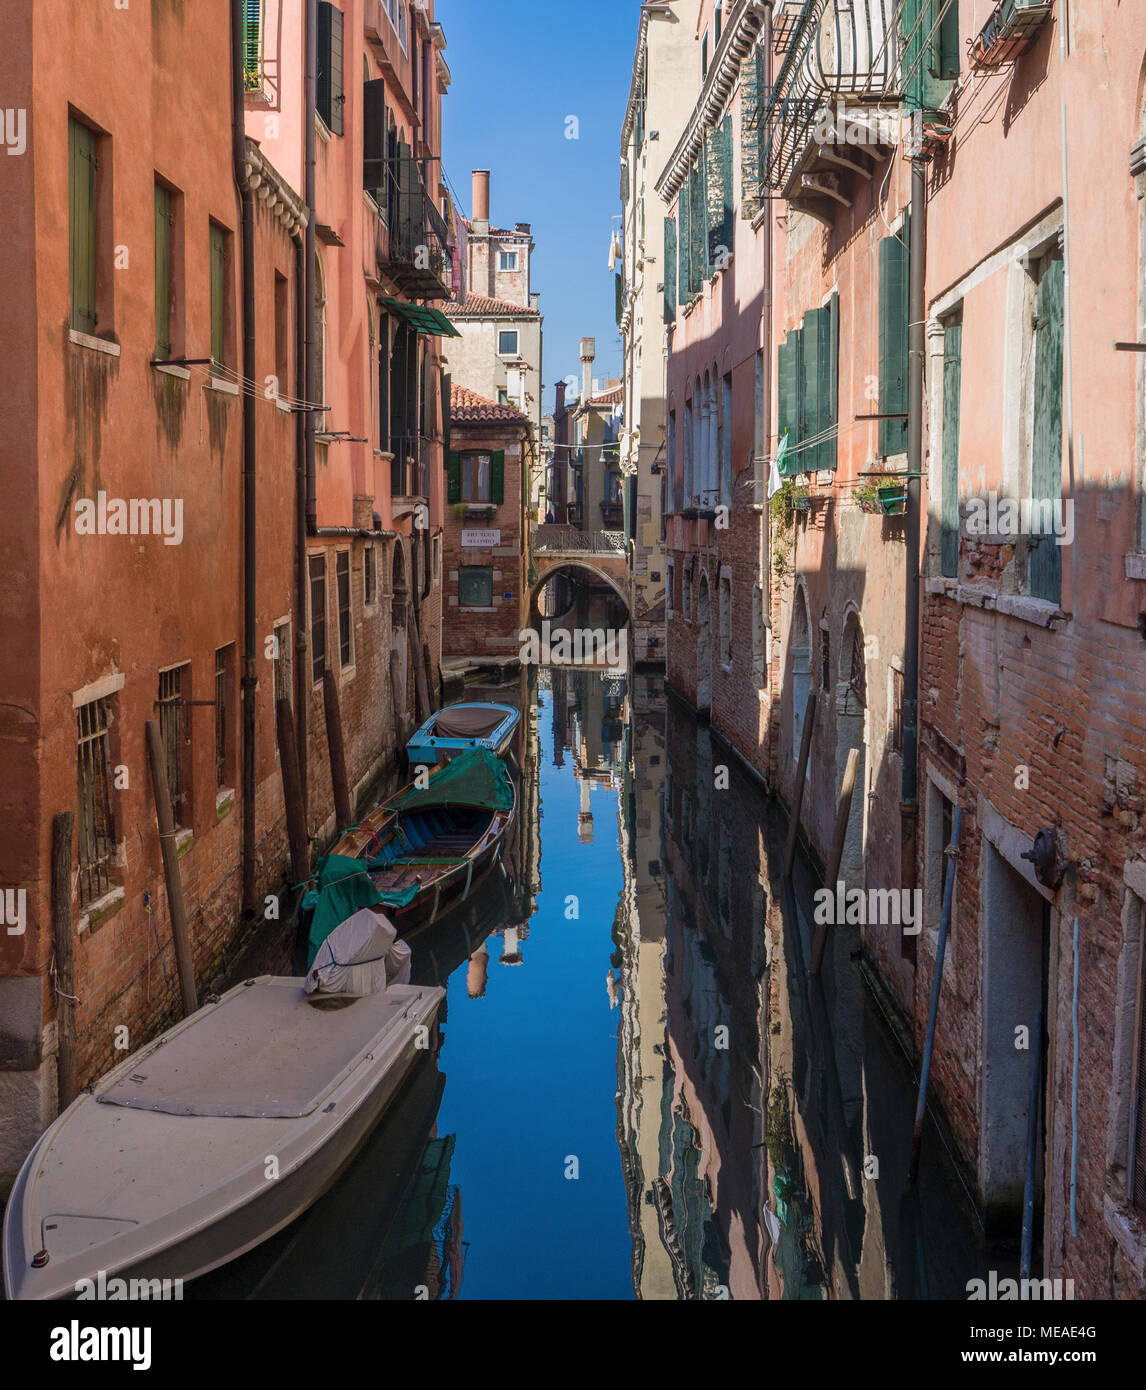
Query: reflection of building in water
(589, 716)
(521, 857)
(424, 1248)
(643, 1075)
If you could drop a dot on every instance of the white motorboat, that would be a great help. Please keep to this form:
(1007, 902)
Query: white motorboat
(219, 1133)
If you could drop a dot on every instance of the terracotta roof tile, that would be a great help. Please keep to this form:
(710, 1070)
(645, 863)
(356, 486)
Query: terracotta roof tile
(478, 306)
(468, 407)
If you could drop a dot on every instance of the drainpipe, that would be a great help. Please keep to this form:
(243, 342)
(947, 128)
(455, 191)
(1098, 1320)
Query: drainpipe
(909, 802)
(763, 562)
(249, 680)
(311, 316)
(302, 358)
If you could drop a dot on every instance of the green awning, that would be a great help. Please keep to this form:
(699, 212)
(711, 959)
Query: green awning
(423, 318)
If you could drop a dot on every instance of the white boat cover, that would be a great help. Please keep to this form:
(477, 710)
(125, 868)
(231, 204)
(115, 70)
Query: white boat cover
(264, 1050)
(354, 958)
(398, 963)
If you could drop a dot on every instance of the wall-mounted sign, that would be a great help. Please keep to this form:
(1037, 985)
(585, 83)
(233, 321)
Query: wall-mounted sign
(475, 539)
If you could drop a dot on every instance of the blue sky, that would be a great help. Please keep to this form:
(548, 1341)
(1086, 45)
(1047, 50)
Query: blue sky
(520, 67)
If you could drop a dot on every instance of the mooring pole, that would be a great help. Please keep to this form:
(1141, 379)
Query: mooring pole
(801, 771)
(1032, 1146)
(292, 793)
(839, 839)
(65, 982)
(170, 853)
(951, 854)
(337, 750)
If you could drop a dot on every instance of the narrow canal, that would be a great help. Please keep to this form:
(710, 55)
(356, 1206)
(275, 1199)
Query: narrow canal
(640, 1091)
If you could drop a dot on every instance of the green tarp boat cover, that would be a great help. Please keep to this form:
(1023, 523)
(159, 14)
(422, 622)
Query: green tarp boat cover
(476, 777)
(344, 886)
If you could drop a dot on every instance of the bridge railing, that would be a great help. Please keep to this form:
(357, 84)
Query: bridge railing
(564, 540)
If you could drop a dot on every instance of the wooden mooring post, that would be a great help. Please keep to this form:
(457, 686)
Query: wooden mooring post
(170, 852)
(292, 793)
(64, 945)
(337, 750)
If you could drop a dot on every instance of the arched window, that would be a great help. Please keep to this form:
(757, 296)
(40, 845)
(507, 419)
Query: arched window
(399, 590)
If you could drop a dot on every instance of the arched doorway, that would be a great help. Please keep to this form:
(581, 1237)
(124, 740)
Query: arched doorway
(703, 650)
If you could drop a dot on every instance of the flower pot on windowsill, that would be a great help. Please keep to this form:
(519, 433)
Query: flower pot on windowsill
(892, 500)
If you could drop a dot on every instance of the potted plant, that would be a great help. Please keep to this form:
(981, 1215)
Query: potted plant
(884, 494)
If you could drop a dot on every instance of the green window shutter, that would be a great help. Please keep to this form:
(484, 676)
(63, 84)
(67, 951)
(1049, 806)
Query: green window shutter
(949, 499)
(815, 383)
(684, 244)
(831, 447)
(454, 478)
(218, 295)
(1045, 568)
(911, 35)
(945, 41)
(893, 315)
(162, 271)
(252, 47)
(788, 378)
(82, 224)
(670, 269)
(624, 181)
(620, 288)
(726, 175)
(497, 478)
(328, 84)
(374, 135)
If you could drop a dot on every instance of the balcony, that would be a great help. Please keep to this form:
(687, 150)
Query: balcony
(833, 114)
(386, 25)
(1011, 29)
(409, 471)
(414, 244)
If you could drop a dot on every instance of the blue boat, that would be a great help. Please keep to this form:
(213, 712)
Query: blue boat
(457, 728)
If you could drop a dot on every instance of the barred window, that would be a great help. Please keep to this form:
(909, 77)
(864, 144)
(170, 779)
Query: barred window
(317, 569)
(345, 638)
(96, 819)
(224, 717)
(175, 730)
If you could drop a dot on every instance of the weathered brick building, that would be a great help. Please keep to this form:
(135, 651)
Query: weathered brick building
(193, 538)
(486, 550)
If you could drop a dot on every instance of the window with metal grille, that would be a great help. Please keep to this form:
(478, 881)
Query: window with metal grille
(475, 587)
(175, 730)
(342, 580)
(224, 717)
(317, 568)
(825, 659)
(96, 819)
(369, 577)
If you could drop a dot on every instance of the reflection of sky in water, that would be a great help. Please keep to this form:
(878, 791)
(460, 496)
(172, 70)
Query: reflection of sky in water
(531, 1074)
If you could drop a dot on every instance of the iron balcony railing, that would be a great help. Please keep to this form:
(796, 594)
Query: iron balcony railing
(415, 248)
(838, 51)
(565, 540)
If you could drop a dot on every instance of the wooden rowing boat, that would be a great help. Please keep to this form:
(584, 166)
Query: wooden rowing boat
(422, 852)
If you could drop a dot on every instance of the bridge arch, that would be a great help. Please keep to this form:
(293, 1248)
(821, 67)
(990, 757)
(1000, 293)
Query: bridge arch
(595, 572)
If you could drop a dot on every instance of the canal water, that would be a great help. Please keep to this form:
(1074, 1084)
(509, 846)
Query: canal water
(640, 1090)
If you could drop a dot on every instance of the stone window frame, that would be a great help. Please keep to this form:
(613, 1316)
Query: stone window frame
(1136, 560)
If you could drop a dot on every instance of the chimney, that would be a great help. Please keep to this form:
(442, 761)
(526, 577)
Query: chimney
(560, 407)
(588, 357)
(481, 202)
(535, 300)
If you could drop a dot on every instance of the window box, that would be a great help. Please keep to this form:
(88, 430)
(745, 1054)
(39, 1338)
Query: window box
(1011, 28)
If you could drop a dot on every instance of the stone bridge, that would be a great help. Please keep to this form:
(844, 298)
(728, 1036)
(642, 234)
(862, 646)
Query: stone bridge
(598, 555)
